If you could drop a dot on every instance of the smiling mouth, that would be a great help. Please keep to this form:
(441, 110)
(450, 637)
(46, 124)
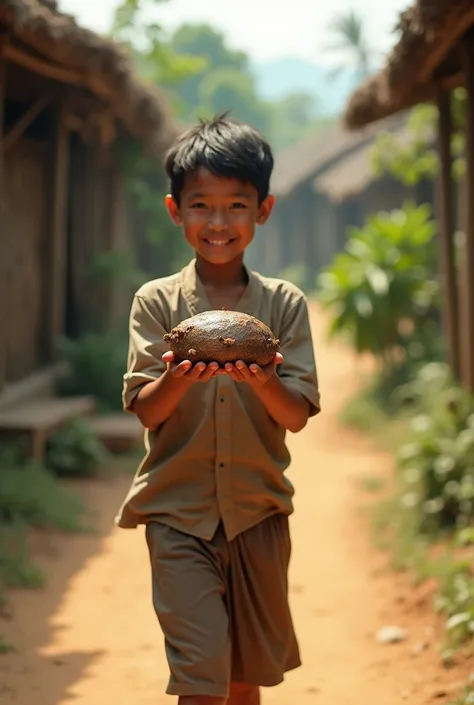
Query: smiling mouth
(220, 242)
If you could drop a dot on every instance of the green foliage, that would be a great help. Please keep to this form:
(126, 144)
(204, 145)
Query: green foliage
(116, 266)
(456, 601)
(466, 698)
(349, 39)
(297, 274)
(414, 156)
(96, 363)
(31, 496)
(76, 451)
(437, 462)
(381, 288)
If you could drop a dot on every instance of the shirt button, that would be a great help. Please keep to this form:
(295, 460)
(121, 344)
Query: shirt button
(222, 400)
(221, 465)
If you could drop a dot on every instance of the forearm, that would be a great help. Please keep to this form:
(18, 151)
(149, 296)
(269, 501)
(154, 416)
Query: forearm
(286, 407)
(157, 400)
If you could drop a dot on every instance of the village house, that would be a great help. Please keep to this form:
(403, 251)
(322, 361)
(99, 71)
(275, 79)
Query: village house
(69, 100)
(434, 55)
(323, 186)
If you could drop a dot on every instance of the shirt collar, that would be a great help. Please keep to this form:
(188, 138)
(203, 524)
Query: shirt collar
(196, 298)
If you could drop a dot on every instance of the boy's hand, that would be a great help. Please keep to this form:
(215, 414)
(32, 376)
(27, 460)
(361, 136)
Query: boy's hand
(253, 374)
(197, 372)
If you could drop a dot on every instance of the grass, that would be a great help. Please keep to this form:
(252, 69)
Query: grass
(397, 525)
(372, 411)
(466, 698)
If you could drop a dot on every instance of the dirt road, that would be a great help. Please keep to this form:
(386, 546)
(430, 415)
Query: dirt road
(90, 637)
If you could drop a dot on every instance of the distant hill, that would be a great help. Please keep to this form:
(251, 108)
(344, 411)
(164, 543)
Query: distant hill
(278, 77)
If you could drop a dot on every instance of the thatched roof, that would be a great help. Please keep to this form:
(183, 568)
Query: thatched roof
(354, 173)
(99, 64)
(428, 30)
(319, 152)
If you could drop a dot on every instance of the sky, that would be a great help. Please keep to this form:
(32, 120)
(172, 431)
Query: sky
(265, 29)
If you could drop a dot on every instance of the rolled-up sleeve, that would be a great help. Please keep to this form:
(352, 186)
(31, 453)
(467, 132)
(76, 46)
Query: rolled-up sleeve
(298, 369)
(146, 347)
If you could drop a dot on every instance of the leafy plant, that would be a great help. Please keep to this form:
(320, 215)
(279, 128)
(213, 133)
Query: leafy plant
(437, 463)
(382, 289)
(466, 698)
(96, 364)
(414, 156)
(456, 601)
(75, 451)
(30, 495)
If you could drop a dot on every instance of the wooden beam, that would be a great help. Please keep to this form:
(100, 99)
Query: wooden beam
(56, 72)
(447, 226)
(4, 220)
(468, 322)
(25, 121)
(58, 231)
(450, 36)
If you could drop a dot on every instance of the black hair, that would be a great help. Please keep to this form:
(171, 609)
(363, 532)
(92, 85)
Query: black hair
(225, 147)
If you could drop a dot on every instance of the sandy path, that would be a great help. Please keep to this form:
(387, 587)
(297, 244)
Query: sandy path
(91, 637)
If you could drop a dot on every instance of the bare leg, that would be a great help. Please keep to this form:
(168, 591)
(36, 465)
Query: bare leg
(200, 700)
(241, 694)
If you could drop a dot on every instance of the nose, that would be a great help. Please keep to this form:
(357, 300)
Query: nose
(217, 221)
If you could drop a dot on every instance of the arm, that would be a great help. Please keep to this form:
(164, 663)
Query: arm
(156, 401)
(154, 384)
(286, 406)
(291, 396)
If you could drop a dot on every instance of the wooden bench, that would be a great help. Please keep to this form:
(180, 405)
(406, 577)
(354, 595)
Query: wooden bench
(119, 432)
(39, 418)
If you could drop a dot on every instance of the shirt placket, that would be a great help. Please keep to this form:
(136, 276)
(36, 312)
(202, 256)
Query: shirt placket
(223, 457)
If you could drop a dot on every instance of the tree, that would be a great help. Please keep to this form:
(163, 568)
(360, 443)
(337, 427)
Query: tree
(350, 41)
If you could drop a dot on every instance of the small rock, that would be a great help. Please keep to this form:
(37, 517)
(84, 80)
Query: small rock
(391, 635)
(420, 647)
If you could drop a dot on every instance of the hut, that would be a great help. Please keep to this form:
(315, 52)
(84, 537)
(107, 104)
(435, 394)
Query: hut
(69, 101)
(434, 55)
(323, 186)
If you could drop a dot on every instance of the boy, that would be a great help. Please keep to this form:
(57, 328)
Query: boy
(211, 489)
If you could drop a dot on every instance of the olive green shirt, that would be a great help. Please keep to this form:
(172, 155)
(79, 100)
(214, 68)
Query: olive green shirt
(219, 456)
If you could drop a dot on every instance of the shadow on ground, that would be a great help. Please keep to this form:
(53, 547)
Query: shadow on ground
(33, 624)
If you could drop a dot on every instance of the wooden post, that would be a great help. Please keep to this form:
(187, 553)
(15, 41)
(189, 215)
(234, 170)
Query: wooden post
(57, 241)
(446, 218)
(4, 222)
(468, 323)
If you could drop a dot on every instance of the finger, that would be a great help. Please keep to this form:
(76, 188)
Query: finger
(196, 371)
(244, 371)
(182, 369)
(233, 372)
(168, 357)
(209, 372)
(258, 373)
(278, 359)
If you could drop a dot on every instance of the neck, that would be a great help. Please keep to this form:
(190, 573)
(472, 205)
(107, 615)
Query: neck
(221, 275)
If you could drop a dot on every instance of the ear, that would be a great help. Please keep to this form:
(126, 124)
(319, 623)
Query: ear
(265, 209)
(173, 210)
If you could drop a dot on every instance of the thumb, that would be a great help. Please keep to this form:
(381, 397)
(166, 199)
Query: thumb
(168, 357)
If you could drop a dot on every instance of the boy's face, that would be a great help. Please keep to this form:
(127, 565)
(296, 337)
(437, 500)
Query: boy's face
(218, 215)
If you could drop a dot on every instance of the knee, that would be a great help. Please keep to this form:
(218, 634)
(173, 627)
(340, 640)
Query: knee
(200, 700)
(243, 694)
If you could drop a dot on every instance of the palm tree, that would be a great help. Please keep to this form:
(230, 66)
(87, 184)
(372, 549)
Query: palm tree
(348, 30)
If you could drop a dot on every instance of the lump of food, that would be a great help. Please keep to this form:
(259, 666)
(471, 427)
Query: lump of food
(223, 336)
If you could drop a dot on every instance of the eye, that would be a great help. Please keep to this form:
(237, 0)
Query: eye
(237, 205)
(198, 204)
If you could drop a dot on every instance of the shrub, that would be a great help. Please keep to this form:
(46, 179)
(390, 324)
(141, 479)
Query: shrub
(96, 365)
(437, 462)
(76, 451)
(382, 288)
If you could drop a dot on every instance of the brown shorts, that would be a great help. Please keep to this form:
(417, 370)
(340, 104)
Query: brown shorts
(223, 607)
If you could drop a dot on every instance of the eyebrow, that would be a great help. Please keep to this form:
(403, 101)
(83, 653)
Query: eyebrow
(238, 194)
